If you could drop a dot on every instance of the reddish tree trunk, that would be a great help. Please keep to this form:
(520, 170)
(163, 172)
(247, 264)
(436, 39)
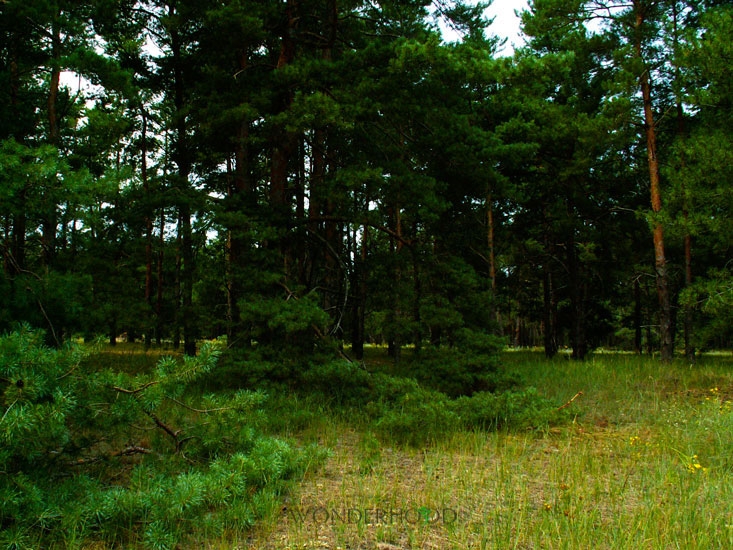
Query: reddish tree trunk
(660, 262)
(284, 141)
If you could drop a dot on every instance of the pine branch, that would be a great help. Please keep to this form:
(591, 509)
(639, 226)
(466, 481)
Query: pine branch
(127, 451)
(136, 390)
(202, 411)
(167, 429)
(316, 330)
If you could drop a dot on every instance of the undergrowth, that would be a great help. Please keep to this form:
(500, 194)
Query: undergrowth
(407, 404)
(129, 459)
(132, 449)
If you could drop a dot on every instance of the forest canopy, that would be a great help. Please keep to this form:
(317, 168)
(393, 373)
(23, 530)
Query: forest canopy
(290, 174)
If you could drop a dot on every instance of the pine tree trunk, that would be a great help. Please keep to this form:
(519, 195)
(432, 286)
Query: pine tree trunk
(148, 228)
(549, 314)
(417, 291)
(16, 264)
(160, 282)
(284, 141)
(549, 302)
(578, 298)
(182, 159)
(666, 336)
(189, 336)
(360, 291)
(48, 236)
(242, 200)
(637, 316)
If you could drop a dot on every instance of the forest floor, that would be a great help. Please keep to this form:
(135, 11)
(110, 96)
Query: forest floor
(647, 463)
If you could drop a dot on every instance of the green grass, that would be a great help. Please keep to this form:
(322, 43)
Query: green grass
(644, 460)
(647, 462)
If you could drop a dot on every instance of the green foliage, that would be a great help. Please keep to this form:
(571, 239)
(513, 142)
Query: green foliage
(417, 417)
(470, 365)
(414, 407)
(510, 410)
(38, 394)
(338, 383)
(68, 430)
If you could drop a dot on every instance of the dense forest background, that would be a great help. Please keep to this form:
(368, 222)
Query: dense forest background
(295, 172)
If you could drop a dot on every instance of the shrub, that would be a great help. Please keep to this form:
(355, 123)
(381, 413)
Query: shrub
(417, 418)
(76, 465)
(338, 382)
(512, 410)
(470, 366)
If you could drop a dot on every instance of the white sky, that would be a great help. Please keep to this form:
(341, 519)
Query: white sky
(506, 23)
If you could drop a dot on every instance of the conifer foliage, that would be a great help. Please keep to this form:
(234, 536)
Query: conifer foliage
(285, 173)
(128, 458)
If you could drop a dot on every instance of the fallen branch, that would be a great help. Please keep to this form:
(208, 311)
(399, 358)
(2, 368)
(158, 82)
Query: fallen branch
(573, 398)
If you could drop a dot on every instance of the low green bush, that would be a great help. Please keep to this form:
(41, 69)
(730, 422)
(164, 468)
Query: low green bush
(418, 417)
(470, 365)
(89, 454)
(339, 382)
(511, 410)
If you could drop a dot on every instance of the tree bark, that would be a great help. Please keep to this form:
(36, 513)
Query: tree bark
(48, 236)
(242, 201)
(181, 157)
(18, 240)
(148, 227)
(160, 282)
(687, 241)
(549, 314)
(550, 321)
(284, 141)
(358, 303)
(578, 299)
(666, 336)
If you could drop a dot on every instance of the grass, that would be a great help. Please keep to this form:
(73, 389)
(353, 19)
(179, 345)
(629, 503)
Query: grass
(646, 463)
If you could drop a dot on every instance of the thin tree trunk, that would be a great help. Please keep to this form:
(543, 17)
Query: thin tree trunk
(687, 241)
(394, 345)
(17, 263)
(689, 313)
(637, 316)
(360, 288)
(491, 245)
(417, 288)
(578, 300)
(148, 227)
(48, 236)
(177, 289)
(189, 337)
(660, 262)
(284, 140)
(183, 162)
(160, 282)
(549, 314)
(550, 321)
(242, 200)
